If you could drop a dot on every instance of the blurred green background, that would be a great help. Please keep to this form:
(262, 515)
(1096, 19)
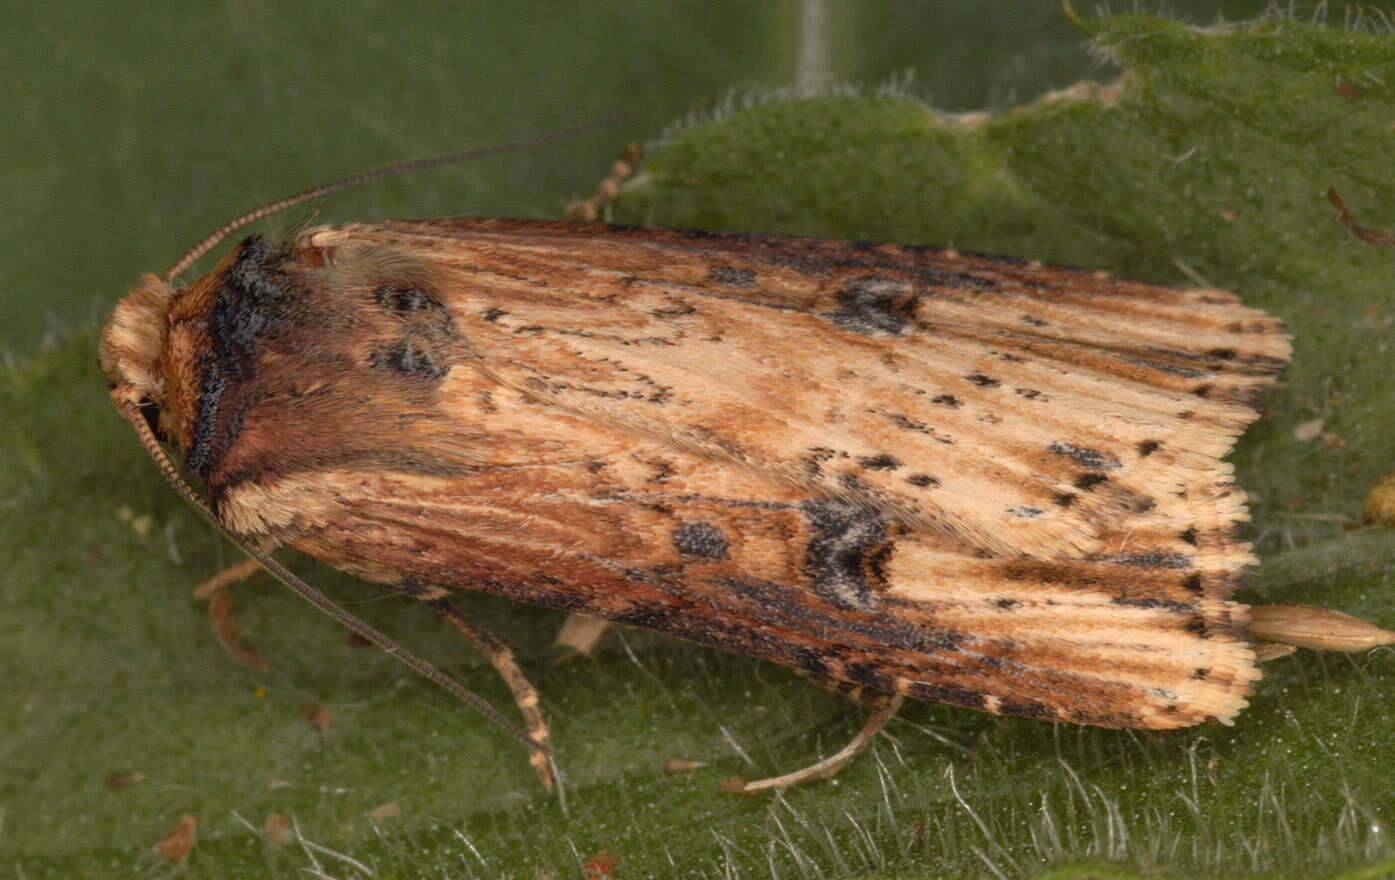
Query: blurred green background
(133, 133)
(133, 130)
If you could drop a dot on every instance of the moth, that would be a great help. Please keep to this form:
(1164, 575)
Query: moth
(900, 471)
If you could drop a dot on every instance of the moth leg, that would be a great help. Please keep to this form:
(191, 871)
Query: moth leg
(884, 707)
(524, 693)
(579, 635)
(609, 188)
(1267, 651)
(214, 590)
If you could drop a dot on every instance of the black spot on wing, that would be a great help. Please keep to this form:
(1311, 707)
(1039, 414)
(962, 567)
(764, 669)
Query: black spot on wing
(844, 558)
(1148, 560)
(874, 306)
(421, 342)
(424, 325)
(881, 462)
(731, 276)
(1086, 482)
(404, 300)
(1085, 457)
(815, 457)
(408, 358)
(700, 539)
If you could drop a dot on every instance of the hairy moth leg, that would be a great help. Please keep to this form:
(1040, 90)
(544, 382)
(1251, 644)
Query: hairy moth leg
(524, 694)
(884, 707)
(609, 188)
(214, 590)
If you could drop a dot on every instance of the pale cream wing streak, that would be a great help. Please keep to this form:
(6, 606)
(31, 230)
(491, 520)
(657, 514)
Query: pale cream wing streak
(759, 429)
(589, 372)
(723, 373)
(588, 310)
(728, 366)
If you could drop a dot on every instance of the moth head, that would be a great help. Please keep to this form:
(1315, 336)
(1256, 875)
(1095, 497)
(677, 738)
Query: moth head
(147, 351)
(134, 337)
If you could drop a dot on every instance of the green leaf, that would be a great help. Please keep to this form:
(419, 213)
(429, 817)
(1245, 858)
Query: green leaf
(1212, 165)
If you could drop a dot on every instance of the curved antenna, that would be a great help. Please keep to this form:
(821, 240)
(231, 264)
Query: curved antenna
(222, 232)
(121, 397)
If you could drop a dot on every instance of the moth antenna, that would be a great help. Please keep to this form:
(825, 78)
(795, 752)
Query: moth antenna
(352, 180)
(131, 412)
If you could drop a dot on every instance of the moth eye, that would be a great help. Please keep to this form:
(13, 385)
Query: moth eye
(151, 412)
(403, 300)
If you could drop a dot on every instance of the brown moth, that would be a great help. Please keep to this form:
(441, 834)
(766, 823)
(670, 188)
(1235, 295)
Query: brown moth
(900, 471)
